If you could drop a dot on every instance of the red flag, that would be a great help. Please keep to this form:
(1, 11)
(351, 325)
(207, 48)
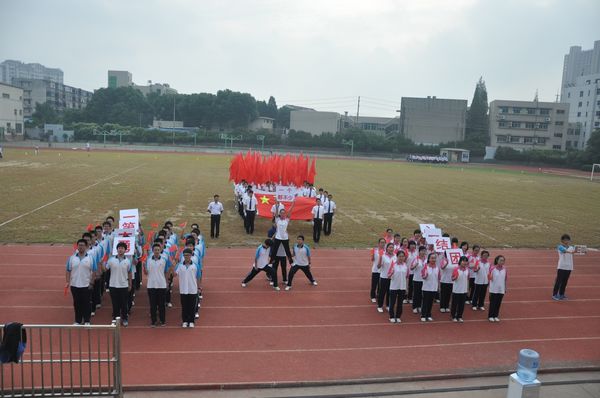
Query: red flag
(90, 227)
(154, 224)
(234, 168)
(183, 224)
(302, 208)
(312, 172)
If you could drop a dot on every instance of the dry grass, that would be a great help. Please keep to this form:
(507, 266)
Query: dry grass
(482, 205)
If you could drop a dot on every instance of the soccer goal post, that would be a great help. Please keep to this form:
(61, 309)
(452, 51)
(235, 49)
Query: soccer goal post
(593, 167)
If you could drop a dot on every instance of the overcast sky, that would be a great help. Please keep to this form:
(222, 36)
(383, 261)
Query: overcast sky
(321, 53)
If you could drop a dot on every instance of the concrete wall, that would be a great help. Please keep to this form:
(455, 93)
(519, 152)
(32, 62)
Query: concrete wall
(11, 110)
(433, 120)
(315, 122)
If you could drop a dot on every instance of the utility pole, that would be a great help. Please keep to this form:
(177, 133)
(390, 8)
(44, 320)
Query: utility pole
(357, 110)
(173, 127)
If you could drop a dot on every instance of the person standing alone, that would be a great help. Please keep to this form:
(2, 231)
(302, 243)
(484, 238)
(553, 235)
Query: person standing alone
(215, 208)
(330, 207)
(250, 212)
(317, 213)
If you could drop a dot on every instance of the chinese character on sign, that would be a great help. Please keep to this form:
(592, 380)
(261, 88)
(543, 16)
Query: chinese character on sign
(454, 255)
(128, 225)
(441, 245)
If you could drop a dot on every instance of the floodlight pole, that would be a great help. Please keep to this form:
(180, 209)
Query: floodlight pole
(350, 143)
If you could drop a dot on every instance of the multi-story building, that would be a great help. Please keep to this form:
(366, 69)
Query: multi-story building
(579, 63)
(11, 69)
(123, 78)
(315, 122)
(58, 95)
(525, 125)
(11, 111)
(583, 98)
(432, 121)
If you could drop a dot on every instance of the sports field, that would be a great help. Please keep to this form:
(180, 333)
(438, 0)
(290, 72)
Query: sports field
(491, 206)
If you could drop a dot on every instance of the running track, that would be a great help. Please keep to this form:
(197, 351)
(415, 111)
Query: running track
(323, 333)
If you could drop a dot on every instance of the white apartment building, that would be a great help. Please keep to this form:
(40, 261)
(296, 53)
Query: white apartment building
(11, 111)
(11, 69)
(583, 97)
(524, 125)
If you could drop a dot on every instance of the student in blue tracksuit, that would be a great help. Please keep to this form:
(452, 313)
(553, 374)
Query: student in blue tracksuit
(564, 268)
(301, 262)
(261, 263)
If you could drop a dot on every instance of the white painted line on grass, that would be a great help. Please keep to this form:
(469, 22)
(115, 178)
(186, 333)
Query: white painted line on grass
(69, 195)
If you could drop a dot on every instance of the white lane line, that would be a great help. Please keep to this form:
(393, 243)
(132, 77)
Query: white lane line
(69, 195)
(289, 307)
(374, 348)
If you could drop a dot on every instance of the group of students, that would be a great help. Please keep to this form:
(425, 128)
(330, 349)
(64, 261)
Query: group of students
(408, 271)
(322, 212)
(93, 270)
(274, 251)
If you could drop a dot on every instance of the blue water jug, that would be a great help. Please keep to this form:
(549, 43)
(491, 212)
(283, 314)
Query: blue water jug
(529, 362)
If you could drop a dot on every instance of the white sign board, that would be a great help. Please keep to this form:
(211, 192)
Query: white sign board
(440, 244)
(432, 233)
(285, 193)
(426, 227)
(454, 255)
(129, 241)
(129, 218)
(125, 232)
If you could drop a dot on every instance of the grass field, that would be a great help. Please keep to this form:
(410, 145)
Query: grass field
(492, 207)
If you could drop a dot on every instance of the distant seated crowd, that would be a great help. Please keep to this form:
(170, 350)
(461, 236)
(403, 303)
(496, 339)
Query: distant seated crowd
(427, 159)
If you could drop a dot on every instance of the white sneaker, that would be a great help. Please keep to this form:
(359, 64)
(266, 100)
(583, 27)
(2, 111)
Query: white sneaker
(191, 324)
(481, 308)
(284, 282)
(77, 324)
(276, 288)
(373, 300)
(415, 310)
(437, 300)
(197, 316)
(387, 308)
(93, 314)
(409, 301)
(288, 287)
(379, 309)
(429, 319)
(184, 325)
(87, 324)
(454, 319)
(170, 305)
(497, 319)
(474, 308)
(460, 320)
(314, 283)
(243, 284)
(113, 322)
(125, 323)
(423, 319)
(404, 301)
(442, 310)
(393, 320)
(491, 320)
(98, 305)
(398, 320)
(468, 302)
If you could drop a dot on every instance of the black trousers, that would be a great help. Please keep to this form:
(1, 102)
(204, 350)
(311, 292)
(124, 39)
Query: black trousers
(106, 276)
(445, 292)
(417, 294)
(303, 268)
(458, 305)
(279, 262)
(286, 247)
(427, 303)
(241, 209)
(96, 296)
(317, 228)
(119, 297)
(138, 275)
(374, 284)
(157, 304)
(169, 288)
(249, 221)
(188, 307)
(409, 294)
(81, 303)
(255, 271)
(562, 278)
(327, 222)
(479, 295)
(384, 292)
(471, 289)
(396, 298)
(495, 302)
(215, 223)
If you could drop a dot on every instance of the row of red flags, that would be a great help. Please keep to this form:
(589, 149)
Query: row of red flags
(281, 169)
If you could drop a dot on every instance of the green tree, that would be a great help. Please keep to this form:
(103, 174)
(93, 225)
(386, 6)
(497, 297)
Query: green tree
(477, 128)
(123, 105)
(272, 108)
(283, 117)
(44, 114)
(592, 149)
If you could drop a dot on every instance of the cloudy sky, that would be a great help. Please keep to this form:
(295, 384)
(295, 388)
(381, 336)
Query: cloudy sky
(321, 53)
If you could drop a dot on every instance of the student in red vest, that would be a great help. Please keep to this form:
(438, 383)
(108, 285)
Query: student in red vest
(398, 275)
(431, 280)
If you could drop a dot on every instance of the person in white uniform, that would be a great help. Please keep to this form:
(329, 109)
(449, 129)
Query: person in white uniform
(215, 208)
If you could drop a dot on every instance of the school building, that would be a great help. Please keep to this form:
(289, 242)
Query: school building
(523, 125)
(11, 112)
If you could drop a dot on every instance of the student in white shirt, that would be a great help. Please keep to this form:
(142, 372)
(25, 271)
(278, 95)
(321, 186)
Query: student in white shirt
(302, 262)
(317, 214)
(261, 263)
(411, 255)
(431, 281)
(460, 285)
(497, 278)
(157, 269)
(481, 270)
(385, 263)
(398, 275)
(250, 204)
(330, 208)
(417, 266)
(120, 283)
(281, 235)
(80, 272)
(446, 271)
(188, 274)
(276, 208)
(215, 208)
(376, 254)
(564, 268)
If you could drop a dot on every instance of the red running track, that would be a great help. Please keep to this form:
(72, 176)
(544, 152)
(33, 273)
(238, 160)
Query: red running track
(321, 333)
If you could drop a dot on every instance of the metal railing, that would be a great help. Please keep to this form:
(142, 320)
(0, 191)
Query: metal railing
(66, 361)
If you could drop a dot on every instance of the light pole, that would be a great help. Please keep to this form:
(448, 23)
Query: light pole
(350, 143)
